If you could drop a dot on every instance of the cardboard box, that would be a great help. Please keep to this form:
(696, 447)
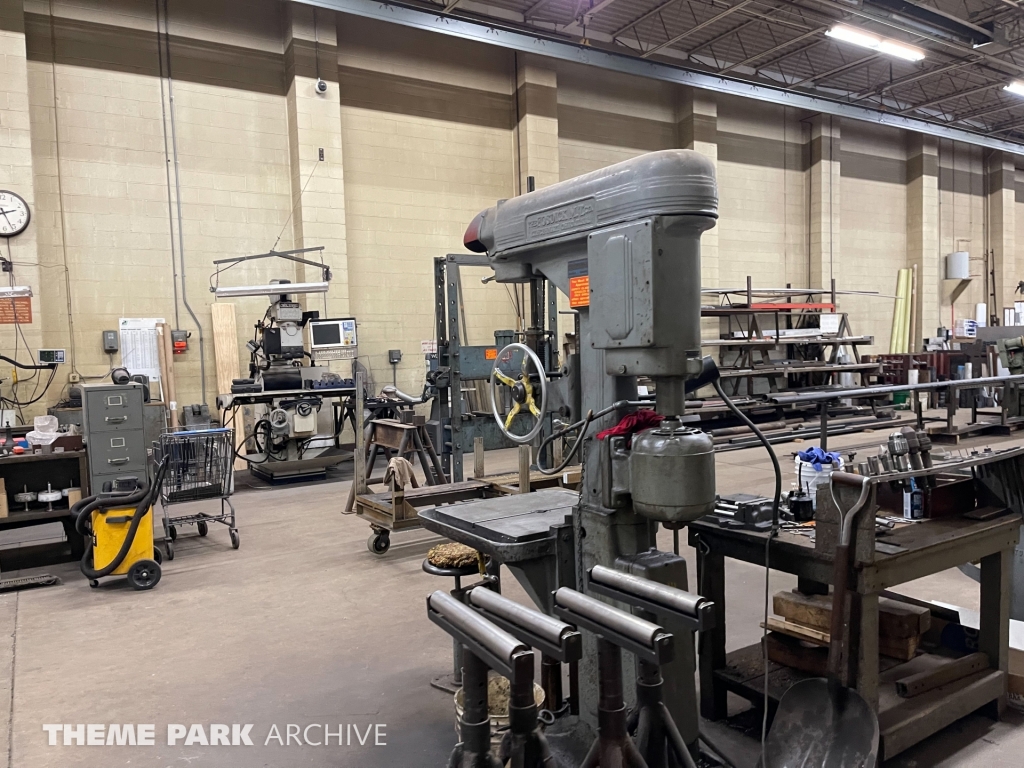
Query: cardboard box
(3, 498)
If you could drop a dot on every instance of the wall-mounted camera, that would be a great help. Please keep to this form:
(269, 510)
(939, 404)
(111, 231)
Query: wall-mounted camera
(321, 86)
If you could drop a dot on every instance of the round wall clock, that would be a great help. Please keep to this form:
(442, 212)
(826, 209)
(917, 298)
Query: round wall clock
(14, 214)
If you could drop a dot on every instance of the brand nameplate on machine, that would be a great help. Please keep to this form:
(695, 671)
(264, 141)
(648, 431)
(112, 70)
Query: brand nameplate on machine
(581, 214)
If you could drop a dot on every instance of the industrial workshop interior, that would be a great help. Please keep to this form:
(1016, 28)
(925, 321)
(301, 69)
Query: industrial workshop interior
(511, 383)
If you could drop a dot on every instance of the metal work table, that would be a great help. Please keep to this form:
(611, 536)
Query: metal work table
(927, 547)
(531, 533)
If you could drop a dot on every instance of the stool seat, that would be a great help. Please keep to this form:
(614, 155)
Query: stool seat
(458, 572)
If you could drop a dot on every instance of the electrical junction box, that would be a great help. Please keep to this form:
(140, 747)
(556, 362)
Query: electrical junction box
(110, 342)
(179, 342)
(394, 356)
(50, 356)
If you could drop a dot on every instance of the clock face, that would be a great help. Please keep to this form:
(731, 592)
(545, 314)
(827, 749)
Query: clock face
(14, 214)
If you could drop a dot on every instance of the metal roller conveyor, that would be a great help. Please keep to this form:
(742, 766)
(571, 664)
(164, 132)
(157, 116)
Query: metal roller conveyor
(497, 641)
(559, 643)
(486, 646)
(643, 638)
(538, 624)
(666, 598)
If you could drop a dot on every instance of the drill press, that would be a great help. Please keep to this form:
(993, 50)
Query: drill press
(632, 231)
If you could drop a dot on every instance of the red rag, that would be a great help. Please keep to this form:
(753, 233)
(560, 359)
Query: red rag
(632, 423)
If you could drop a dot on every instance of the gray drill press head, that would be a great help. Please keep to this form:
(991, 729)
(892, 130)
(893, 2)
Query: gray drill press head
(633, 229)
(624, 244)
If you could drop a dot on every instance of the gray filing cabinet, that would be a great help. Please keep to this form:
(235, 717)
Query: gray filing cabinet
(113, 422)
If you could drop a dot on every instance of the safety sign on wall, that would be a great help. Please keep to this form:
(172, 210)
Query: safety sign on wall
(17, 310)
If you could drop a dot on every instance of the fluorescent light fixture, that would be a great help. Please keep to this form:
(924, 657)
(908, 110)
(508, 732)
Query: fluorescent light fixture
(274, 289)
(875, 43)
(16, 292)
(1016, 87)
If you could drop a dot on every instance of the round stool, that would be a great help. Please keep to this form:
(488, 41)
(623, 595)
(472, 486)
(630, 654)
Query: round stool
(453, 680)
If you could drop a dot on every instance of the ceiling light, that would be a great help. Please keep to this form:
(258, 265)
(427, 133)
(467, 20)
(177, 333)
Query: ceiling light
(901, 50)
(1016, 87)
(16, 292)
(875, 43)
(274, 289)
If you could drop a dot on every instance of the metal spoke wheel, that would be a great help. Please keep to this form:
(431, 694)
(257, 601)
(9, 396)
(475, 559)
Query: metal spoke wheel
(523, 389)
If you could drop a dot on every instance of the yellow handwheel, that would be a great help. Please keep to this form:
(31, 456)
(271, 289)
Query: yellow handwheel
(522, 394)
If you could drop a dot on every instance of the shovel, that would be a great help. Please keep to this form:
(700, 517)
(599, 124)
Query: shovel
(820, 723)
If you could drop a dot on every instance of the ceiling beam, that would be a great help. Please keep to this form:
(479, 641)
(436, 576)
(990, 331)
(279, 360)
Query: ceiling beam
(950, 97)
(789, 54)
(577, 25)
(698, 28)
(958, 118)
(728, 33)
(770, 51)
(528, 13)
(963, 50)
(504, 34)
(908, 79)
(837, 70)
(639, 19)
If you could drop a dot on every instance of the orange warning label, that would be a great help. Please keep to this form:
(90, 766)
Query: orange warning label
(491, 353)
(579, 291)
(16, 310)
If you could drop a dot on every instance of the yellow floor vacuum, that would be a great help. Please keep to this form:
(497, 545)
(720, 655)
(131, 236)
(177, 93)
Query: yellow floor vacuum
(118, 532)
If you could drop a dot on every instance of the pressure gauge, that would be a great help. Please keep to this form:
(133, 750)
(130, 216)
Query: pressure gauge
(14, 214)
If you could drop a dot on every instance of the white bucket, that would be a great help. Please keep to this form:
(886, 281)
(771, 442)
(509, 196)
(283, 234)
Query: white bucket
(499, 722)
(810, 478)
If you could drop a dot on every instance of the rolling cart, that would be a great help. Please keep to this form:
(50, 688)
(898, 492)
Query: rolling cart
(199, 466)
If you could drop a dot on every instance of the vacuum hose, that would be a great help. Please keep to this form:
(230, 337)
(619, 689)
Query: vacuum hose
(83, 510)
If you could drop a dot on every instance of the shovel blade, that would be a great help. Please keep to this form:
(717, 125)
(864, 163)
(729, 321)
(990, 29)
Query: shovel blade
(818, 725)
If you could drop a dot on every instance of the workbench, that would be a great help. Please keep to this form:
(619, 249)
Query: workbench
(916, 550)
(34, 470)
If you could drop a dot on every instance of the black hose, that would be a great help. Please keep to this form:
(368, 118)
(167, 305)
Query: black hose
(144, 498)
(767, 549)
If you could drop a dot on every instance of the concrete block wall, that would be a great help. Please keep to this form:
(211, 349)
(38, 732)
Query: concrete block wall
(873, 226)
(107, 212)
(427, 129)
(421, 132)
(608, 119)
(762, 177)
(962, 224)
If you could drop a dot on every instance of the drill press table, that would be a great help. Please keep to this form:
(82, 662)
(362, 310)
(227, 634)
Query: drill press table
(530, 533)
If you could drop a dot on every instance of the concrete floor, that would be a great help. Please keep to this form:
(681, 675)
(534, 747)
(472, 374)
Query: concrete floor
(302, 625)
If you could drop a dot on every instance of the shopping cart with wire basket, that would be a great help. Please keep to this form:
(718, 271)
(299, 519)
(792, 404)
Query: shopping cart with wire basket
(199, 467)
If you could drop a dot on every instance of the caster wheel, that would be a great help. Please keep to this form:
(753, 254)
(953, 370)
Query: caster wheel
(158, 555)
(203, 528)
(144, 574)
(93, 583)
(173, 532)
(378, 543)
(170, 550)
(235, 542)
